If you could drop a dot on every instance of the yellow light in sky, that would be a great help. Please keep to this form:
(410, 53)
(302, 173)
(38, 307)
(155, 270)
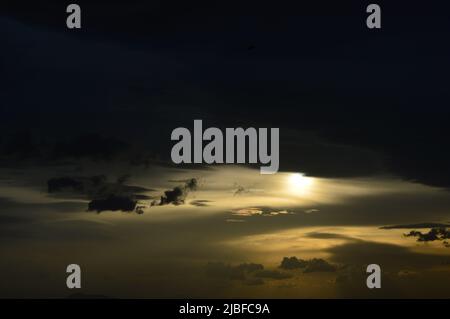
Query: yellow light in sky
(300, 183)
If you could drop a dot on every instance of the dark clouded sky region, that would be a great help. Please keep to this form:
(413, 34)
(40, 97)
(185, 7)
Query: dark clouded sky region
(86, 176)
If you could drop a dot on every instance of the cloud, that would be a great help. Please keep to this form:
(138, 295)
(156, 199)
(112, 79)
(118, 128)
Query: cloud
(319, 265)
(112, 203)
(178, 194)
(91, 146)
(438, 233)
(81, 185)
(311, 265)
(292, 263)
(104, 195)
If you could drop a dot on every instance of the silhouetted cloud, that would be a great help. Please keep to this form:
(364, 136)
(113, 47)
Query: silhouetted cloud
(311, 265)
(177, 195)
(112, 203)
(292, 263)
(438, 233)
(91, 146)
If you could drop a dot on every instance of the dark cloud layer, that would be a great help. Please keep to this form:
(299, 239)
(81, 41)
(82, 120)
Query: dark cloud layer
(309, 88)
(113, 203)
(104, 195)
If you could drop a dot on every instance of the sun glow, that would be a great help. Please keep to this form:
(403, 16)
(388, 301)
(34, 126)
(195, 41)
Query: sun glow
(299, 183)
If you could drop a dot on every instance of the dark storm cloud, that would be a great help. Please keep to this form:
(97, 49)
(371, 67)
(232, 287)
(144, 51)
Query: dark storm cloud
(316, 156)
(21, 146)
(91, 146)
(375, 101)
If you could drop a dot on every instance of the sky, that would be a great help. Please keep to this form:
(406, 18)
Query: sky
(86, 118)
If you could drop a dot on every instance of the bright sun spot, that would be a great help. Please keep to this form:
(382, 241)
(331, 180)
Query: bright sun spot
(300, 183)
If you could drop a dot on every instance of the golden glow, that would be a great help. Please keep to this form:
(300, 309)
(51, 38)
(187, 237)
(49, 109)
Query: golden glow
(299, 183)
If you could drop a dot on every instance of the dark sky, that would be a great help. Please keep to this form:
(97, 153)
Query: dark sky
(85, 123)
(372, 99)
